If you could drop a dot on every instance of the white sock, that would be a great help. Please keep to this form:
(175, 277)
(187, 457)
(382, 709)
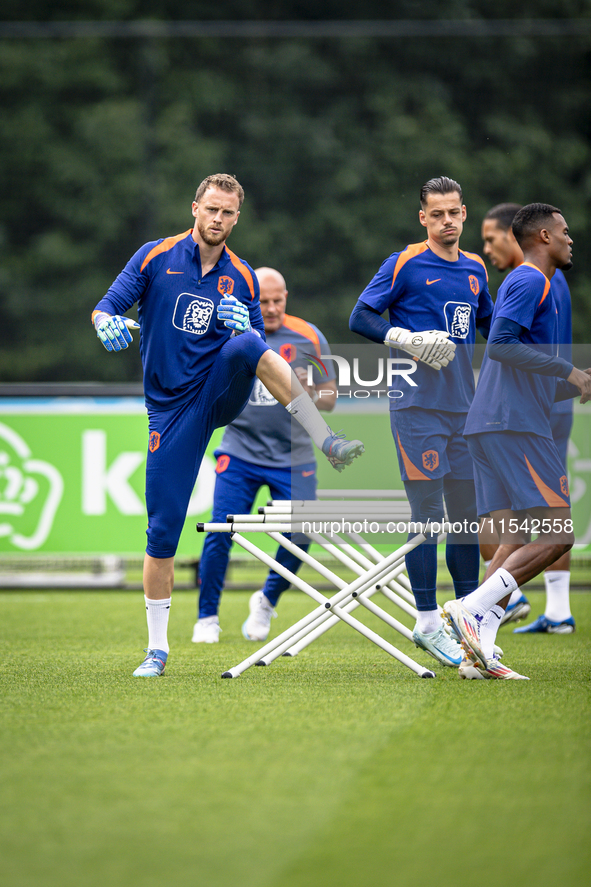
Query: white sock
(488, 630)
(492, 590)
(302, 409)
(515, 597)
(428, 621)
(557, 595)
(157, 613)
(487, 564)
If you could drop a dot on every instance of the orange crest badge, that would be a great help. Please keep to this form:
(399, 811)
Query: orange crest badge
(226, 286)
(222, 464)
(564, 485)
(430, 460)
(154, 441)
(288, 352)
(474, 285)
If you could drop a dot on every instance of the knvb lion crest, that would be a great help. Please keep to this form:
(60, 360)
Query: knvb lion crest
(288, 352)
(226, 286)
(430, 460)
(154, 441)
(221, 464)
(474, 285)
(192, 314)
(457, 318)
(260, 396)
(564, 484)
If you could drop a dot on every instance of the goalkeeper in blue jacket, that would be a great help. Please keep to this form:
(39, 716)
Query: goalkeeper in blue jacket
(202, 345)
(436, 296)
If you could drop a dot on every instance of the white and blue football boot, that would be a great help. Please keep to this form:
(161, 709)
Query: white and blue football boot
(153, 665)
(543, 625)
(340, 452)
(440, 645)
(517, 611)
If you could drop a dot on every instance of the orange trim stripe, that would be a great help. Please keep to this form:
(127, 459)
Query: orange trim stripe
(240, 266)
(552, 498)
(297, 325)
(475, 258)
(163, 247)
(412, 250)
(547, 284)
(411, 469)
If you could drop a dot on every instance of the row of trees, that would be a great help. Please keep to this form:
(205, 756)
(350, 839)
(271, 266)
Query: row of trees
(103, 141)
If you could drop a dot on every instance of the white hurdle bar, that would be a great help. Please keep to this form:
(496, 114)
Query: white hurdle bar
(327, 620)
(278, 510)
(401, 585)
(373, 577)
(327, 606)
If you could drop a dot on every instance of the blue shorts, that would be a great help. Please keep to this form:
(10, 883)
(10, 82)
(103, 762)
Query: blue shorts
(179, 437)
(561, 425)
(236, 486)
(238, 482)
(430, 445)
(517, 471)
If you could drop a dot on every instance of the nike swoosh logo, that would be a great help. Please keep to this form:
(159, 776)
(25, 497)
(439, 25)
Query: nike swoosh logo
(504, 583)
(307, 473)
(168, 271)
(429, 282)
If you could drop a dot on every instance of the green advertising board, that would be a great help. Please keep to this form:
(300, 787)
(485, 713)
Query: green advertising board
(72, 473)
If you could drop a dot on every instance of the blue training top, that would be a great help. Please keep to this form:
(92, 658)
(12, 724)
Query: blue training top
(561, 294)
(424, 292)
(509, 398)
(177, 311)
(265, 433)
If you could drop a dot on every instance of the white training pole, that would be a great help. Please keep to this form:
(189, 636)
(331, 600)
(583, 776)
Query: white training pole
(317, 630)
(360, 584)
(343, 548)
(342, 613)
(326, 620)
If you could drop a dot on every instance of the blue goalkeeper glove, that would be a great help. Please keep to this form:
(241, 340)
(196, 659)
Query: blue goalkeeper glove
(234, 315)
(112, 330)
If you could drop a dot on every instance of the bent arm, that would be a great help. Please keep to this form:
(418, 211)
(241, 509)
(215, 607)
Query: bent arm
(505, 346)
(483, 326)
(368, 323)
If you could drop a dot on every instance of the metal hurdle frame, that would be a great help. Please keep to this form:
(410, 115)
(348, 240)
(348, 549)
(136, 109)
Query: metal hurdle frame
(399, 585)
(380, 573)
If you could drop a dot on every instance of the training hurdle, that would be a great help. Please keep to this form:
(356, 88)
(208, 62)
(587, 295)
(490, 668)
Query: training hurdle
(375, 572)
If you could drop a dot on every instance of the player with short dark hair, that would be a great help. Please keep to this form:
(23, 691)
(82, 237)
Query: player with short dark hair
(264, 445)
(439, 187)
(436, 296)
(521, 484)
(503, 250)
(202, 346)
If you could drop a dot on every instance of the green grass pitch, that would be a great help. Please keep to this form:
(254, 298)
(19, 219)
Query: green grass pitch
(339, 767)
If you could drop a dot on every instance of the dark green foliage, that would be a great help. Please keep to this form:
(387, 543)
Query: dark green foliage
(103, 141)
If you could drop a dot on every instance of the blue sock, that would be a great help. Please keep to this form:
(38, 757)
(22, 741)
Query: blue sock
(421, 565)
(462, 554)
(276, 584)
(463, 562)
(426, 503)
